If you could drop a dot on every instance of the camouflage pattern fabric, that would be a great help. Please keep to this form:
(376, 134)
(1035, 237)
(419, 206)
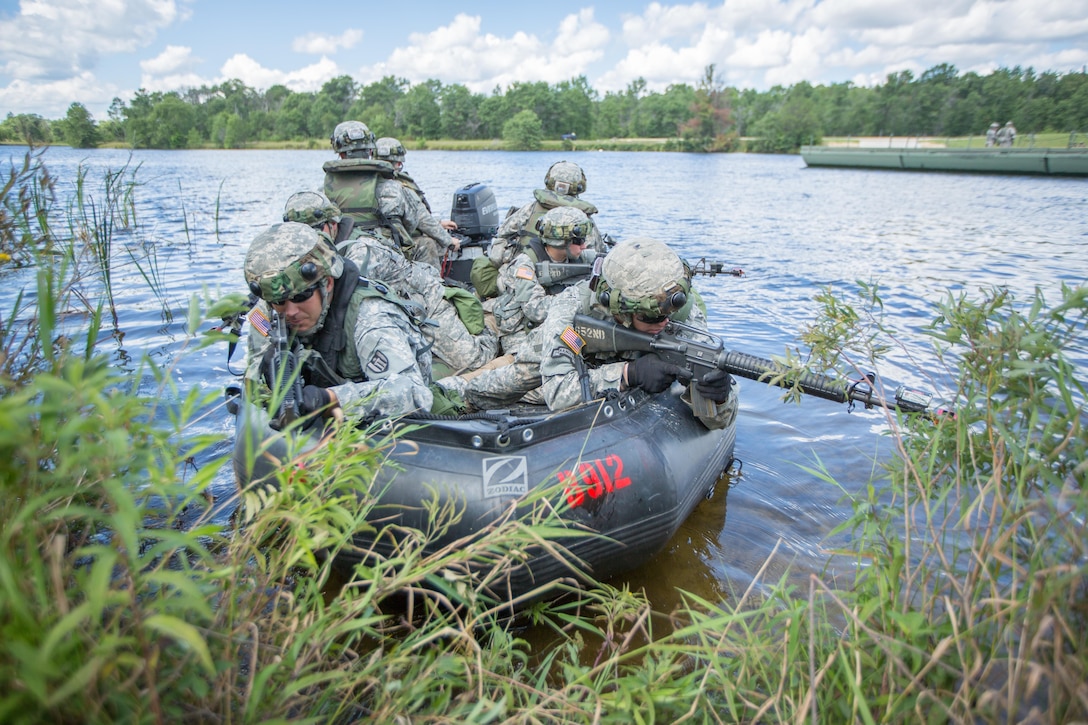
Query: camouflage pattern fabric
(387, 371)
(394, 201)
(523, 220)
(561, 384)
(311, 208)
(454, 345)
(506, 385)
(274, 260)
(522, 302)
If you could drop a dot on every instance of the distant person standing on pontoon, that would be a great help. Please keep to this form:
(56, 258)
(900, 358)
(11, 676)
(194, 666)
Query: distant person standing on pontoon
(1007, 135)
(991, 134)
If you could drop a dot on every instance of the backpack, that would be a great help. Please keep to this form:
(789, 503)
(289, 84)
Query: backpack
(468, 305)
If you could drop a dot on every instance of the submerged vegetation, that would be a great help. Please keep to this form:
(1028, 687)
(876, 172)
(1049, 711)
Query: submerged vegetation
(122, 600)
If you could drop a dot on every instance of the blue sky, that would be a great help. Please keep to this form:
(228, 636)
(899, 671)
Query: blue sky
(54, 52)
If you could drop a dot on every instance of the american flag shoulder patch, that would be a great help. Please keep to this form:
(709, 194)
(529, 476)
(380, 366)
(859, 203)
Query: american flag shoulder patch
(525, 273)
(573, 340)
(259, 321)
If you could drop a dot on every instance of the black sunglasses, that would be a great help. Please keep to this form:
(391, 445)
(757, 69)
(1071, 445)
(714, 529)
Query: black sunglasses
(650, 320)
(297, 299)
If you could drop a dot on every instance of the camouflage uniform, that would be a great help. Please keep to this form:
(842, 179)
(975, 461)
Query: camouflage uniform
(424, 248)
(366, 190)
(521, 307)
(365, 347)
(562, 370)
(563, 183)
(454, 345)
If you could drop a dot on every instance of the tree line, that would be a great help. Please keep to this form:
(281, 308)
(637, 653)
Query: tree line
(707, 116)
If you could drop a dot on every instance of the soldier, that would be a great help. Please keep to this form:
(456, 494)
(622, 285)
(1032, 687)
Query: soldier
(521, 308)
(360, 347)
(991, 134)
(563, 182)
(522, 303)
(365, 189)
(1007, 135)
(424, 248)
(457, 347)
(643, 284)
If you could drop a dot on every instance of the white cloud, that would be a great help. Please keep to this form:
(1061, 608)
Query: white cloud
(168, 61)
(460, 53)
(321, 44)
(51, 99)
(254, 75)
(49, 40)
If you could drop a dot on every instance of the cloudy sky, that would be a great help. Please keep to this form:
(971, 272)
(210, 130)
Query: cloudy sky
(54, 52)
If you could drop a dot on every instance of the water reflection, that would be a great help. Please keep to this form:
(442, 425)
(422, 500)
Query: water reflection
(793, 230)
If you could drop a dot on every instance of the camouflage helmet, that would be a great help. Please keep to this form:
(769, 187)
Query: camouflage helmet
(389, 149)
(353, 138)
(562, 226)
(288, 259)
(645, 277)
(566, 178)
(311, 208)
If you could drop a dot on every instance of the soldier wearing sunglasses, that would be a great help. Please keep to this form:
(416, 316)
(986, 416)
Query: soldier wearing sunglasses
(641, 284)
(360, 346)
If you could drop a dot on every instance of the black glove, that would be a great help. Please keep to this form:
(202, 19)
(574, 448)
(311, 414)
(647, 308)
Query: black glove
(314, 399)
(653, 374)
(715, 386)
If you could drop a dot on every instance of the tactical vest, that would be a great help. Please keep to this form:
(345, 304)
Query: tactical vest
(352, 184)
(331, 354)
(547, 199)
(409, 183)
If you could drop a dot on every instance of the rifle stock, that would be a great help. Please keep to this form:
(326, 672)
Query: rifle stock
(700, 352)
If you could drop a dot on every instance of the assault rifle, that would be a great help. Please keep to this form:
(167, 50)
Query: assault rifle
(286, 374)
(700, 352)
(549, 272)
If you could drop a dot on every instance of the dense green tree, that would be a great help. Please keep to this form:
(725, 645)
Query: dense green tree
(494, 113)
(460, 112)
(523, 132)
(28, 128)
(169, 122)
(708, 117)
(418, 113)
(574, 100)
(381, 95)
(78, 128)
(331, 105)
(793, 123)
(662, 114)
(292, 119)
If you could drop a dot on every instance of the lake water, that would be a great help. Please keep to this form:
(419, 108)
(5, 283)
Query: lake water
(794, 231)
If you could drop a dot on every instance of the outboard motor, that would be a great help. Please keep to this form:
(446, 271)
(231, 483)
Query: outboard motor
(475, 212)
(477, 217)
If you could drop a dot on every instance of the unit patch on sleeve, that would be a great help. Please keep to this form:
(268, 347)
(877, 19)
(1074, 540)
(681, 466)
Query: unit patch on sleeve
(378, 364)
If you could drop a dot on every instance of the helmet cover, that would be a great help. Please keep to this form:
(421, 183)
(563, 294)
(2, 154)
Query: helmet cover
(566, 178)
(563, 225)
(643, 276)
(352, 138)
(287, 259)
(311, 208)
(389, 149)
